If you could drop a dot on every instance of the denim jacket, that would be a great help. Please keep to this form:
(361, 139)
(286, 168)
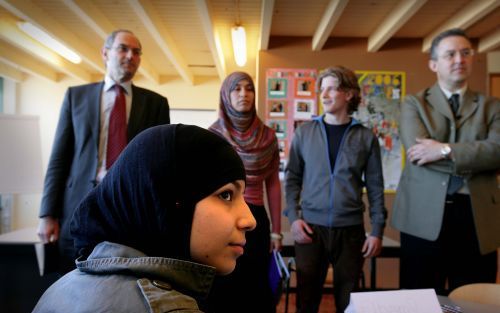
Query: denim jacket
(117, 278)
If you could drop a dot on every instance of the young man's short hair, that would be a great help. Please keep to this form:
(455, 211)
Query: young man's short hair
(347, 82)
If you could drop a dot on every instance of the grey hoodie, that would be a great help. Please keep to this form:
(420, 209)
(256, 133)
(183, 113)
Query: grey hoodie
(334, 198)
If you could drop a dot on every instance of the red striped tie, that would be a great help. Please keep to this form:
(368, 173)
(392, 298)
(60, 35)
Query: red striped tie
(117, 131)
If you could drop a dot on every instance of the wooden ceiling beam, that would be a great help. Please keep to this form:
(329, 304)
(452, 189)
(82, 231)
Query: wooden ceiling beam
(211, 36)
(98, 22)
(16, 57)
(12, 34)
(330, 18)
(266, 20)
(150, 19)
(467, 16)
(91, 16)
(30, 12)
(489, 42)
(393, 22)
(11, 72)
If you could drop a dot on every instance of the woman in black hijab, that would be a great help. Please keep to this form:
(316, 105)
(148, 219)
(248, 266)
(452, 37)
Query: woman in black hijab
(168, 216)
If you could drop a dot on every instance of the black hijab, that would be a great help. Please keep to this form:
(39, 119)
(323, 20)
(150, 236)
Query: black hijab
(147, 199)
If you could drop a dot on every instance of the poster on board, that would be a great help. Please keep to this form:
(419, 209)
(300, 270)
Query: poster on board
(291, 99)
(382, 93)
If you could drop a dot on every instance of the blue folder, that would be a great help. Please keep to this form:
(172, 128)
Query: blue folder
(278, 274)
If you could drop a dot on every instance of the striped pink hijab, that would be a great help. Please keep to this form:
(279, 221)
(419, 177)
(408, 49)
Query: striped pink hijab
(255, 143)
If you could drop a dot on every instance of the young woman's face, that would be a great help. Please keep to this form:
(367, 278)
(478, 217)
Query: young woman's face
(243, 96)
(219, 225)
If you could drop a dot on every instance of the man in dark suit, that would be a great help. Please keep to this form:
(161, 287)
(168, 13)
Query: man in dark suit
(447, 205)
(80, 156)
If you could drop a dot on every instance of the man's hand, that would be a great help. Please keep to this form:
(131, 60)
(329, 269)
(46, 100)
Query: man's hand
(48, 229)
(372, 247)
(301, 231)
(425, 151)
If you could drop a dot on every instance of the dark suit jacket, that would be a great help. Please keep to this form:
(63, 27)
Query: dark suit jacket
(475, 141)
(73, 162)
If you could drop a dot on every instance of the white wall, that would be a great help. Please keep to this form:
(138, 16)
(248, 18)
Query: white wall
(493, 59)
(40, 97)
(203, 95)
(9, 96)
(43, 98)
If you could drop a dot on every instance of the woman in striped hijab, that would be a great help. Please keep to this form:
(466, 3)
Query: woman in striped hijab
(257, 146)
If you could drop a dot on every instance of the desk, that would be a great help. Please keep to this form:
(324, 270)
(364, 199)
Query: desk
(25, 236)
(470, 307)
(390, 249)
(20, 282)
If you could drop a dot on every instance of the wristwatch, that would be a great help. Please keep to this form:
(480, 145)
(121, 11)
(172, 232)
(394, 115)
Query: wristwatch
(277, 236)
(445, 151)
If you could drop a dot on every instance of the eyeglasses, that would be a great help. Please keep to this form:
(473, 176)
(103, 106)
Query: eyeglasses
(464, 53)
(125, 49)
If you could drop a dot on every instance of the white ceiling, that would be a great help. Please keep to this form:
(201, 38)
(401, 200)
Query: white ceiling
(191, 38)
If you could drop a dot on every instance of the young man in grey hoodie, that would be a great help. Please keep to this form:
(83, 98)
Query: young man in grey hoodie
(331, 159)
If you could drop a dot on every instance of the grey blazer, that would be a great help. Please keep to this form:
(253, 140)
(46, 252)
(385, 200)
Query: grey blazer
(475, 141)
(73, 162)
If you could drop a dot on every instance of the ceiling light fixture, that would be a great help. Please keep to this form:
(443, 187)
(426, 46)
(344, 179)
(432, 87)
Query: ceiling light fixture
(239, 39)
(44, 38)
(239, 45)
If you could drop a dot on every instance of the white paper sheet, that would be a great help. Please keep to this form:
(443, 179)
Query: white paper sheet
(398, 301)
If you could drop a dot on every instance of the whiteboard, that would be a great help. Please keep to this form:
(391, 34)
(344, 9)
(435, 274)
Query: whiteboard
(20, 154)
(202, 118)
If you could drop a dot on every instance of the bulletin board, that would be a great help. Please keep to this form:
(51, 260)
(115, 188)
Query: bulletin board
(291, 99)
(382, 93)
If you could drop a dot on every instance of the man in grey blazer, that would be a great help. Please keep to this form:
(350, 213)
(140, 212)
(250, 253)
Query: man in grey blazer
(78, 159)
(447, 204)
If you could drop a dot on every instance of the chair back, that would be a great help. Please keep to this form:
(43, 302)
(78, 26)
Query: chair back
(481, 293)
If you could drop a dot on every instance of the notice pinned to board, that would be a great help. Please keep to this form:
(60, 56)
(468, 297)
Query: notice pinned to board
(397, 301)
